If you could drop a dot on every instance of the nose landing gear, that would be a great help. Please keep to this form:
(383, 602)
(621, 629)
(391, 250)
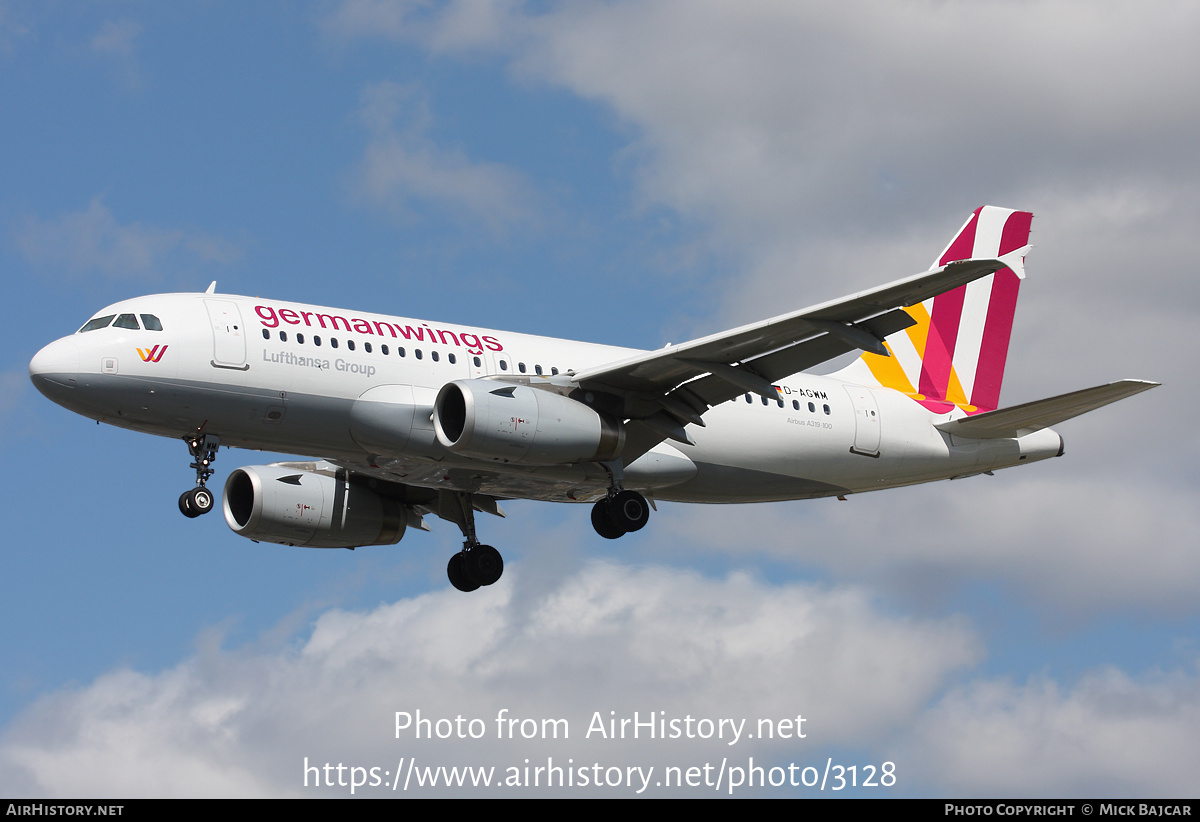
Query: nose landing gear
(199, 500)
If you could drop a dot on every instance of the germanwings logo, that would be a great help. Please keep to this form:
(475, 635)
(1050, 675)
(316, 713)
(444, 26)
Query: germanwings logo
(152, 354)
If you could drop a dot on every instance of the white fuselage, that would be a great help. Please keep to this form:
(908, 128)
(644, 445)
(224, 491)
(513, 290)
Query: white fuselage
(358, 388)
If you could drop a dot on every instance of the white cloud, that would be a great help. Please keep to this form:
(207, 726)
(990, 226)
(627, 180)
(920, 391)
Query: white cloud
(94, 241)
(1072, 543)
(772, 113)
(404, 170)
(815, 141)
(1110, 735)
(608, 638)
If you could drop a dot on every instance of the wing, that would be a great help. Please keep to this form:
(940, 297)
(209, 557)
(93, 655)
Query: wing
(661, 391)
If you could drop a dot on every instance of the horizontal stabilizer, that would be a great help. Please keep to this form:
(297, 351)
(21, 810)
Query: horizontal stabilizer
(1034, 416)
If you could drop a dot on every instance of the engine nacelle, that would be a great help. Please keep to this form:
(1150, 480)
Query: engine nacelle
(516, 423)
(294, 506)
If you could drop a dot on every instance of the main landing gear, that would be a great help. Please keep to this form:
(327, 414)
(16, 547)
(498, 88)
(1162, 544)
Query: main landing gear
(200, 500)
(475, 565)
(621, 512)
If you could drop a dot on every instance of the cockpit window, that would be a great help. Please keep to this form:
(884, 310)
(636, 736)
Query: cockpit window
(99, 322)
(151, 323)
(127, 321)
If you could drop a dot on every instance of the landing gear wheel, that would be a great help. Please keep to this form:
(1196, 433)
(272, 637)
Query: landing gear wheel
(185, 505)
(603, 523)
(195, 502)
(629, 511)
(201, 500)
(458, 574)
(483, 564)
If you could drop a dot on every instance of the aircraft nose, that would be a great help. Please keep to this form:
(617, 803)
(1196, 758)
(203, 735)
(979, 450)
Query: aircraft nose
(55, 367)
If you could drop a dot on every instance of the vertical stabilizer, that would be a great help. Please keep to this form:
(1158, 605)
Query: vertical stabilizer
(955, 353)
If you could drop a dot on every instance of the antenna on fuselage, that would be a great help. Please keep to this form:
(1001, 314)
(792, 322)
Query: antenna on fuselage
(212, 288)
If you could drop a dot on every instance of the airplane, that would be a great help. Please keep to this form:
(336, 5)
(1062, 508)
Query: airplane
(408, 419)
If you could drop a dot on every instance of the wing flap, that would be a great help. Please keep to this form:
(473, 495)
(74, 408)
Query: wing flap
(1034, 416)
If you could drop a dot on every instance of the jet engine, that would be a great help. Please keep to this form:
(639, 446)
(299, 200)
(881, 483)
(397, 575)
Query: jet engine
(299, 506)
(519, 424)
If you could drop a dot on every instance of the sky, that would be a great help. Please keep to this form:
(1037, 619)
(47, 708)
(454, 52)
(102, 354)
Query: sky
(632, 174)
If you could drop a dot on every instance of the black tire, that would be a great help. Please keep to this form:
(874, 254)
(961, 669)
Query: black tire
(458, 576)
(185, 505)
(629, 511)
(483, 564)
(603, 523)
(201, 500)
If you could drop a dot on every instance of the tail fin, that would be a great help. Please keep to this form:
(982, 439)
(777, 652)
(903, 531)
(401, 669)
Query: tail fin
(955, 353)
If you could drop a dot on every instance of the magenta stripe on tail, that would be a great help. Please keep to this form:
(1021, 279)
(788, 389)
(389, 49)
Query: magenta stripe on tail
(997, 330)
(939, 347)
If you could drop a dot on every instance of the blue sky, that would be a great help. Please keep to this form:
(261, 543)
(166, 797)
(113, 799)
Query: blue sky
(627, 173)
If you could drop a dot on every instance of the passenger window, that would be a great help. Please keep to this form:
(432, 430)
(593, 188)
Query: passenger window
(266, 333)
(300, 338)
(127, 321)
(780, 403)
(316, 340)
(795, 405)
(433, 355)
(503, 365)
(399, 352)
(812, 408)
(748, 400)
(151, 323)
(452, 358)
(521, 367)
(417, 353)
(367, 346)
(554, 371)
(383, 349)
(826, 407)
(99, 322)
(333, 342)
(350, 344)
(537, 369)
(283, 336)
(477, 362)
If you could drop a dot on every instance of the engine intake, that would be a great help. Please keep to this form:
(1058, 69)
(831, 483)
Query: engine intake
(295, 506)
(516, 423)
